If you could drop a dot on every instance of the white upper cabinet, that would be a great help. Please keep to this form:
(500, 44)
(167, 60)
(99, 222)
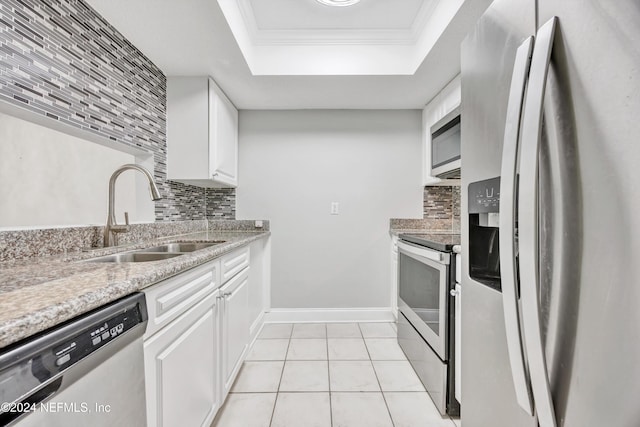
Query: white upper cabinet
(202, 133)
(439, 107)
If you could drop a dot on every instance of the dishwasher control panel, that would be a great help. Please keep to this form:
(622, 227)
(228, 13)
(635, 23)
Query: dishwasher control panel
(94, 337)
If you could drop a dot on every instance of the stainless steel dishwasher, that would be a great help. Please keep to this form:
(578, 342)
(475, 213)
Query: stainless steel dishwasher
(88, 371)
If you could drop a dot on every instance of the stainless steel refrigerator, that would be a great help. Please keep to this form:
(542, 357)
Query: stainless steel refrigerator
(551, 215)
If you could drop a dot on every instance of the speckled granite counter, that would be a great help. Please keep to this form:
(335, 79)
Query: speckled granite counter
(417, 226)
(40, 293)
(443, 242)
(425, 227)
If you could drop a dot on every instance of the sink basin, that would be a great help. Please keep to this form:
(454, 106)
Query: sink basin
(135, 257)
(181, 247)
(156, 253)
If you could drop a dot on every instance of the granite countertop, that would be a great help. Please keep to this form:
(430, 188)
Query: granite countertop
(434, 231)
(399, 226)
(399, 231)
(39, 293)
(444, 242)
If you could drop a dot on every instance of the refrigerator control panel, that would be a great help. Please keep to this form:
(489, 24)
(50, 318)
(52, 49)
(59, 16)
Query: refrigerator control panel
(484, 196)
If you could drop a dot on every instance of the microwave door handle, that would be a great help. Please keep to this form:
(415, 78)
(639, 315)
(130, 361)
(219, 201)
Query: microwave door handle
(528, 220)
(507, 226)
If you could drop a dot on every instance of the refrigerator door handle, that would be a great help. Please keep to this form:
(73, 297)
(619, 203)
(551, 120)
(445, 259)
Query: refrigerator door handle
(507, 226)
(528, 224)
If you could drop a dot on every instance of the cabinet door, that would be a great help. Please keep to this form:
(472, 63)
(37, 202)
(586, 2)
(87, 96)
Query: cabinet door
(181, 369)
(258, 284)
(235, 339)
(394, 276)
(223, 148)
(187, 129)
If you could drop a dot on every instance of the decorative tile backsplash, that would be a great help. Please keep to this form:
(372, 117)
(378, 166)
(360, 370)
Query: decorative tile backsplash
(60, 59)
(443, 203)
(221, 203)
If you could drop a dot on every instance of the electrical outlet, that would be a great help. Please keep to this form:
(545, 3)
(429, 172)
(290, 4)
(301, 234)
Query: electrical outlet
(335, 208)
(258, 224)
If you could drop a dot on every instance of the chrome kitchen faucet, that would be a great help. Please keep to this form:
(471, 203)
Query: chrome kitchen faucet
(112, 226)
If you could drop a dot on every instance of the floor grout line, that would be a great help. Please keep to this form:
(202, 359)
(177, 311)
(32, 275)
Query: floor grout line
(328, 360)
(384, 399)
(284, 364)
(329, 377)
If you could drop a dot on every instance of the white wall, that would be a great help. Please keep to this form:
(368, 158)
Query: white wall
(293, 164)
(49, 178)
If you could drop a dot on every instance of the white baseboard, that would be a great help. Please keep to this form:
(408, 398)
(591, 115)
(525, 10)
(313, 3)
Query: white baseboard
(289, 315)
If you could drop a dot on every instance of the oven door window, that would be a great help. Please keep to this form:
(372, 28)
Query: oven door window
(423, 294)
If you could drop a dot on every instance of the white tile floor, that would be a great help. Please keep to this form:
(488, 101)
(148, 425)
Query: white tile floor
(333, 375)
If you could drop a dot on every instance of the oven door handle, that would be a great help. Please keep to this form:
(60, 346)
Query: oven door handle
(421, 251)
(508, 266)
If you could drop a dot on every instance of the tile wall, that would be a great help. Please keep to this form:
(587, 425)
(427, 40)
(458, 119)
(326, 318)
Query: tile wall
(221, 203)
(62, 60)
(442, 203)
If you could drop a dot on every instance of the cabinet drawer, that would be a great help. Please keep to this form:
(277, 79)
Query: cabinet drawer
(233, 263)
(169, 299)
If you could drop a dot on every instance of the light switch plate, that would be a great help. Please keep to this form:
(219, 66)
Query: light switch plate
(335, 208)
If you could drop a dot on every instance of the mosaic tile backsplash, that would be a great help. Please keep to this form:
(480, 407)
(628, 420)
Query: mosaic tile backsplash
(62, 60)
(443, 203)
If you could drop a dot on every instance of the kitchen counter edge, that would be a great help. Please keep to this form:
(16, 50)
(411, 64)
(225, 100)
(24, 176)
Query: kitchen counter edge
(33, 308)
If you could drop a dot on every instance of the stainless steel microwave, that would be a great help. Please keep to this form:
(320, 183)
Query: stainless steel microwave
(445, 146)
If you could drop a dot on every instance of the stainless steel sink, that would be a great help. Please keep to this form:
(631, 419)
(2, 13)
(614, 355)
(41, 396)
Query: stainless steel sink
(181, 247)
(156, 253)
(135, 257)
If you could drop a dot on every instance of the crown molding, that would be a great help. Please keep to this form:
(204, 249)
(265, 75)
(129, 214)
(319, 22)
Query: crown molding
(422, 18)
(332, 37)
(315, 37)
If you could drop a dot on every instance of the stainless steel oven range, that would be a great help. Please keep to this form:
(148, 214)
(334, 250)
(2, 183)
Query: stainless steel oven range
(426, 279)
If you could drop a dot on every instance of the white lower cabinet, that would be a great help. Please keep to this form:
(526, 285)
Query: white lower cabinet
(235, 326)
(196, 341)
(259, 285)
(181, 369)
(394, 276)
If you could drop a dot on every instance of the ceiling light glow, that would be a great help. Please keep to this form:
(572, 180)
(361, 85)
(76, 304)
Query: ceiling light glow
(338, 2)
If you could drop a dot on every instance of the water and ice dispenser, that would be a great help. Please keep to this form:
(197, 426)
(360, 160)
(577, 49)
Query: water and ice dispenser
(484, 237)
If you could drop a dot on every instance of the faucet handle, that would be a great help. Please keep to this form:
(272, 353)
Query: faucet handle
(121, 228)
